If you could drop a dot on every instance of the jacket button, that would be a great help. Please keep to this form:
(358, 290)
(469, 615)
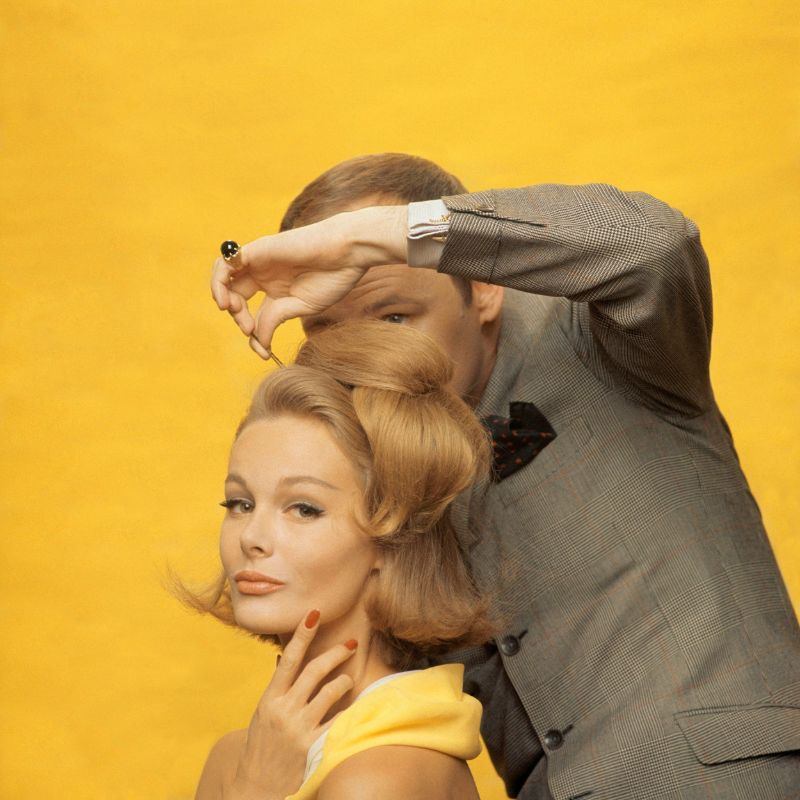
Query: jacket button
(509, 645)
(553, 739)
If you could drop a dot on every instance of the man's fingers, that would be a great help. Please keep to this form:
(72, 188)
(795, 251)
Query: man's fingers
(220, 276)
(241, 313)
(272, 313)
(294, 652)
(256, 347)
(244, 284)
(231, 288)
(227, 276)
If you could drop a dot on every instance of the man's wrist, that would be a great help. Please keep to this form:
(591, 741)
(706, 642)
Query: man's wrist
(378, 235)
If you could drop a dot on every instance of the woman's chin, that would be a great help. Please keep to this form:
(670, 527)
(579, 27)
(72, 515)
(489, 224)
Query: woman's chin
(257, 621)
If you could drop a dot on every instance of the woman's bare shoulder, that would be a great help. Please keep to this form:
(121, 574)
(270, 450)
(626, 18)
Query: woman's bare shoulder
(413, 773)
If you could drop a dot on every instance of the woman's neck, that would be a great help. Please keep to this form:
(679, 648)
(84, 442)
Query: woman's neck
(365, 666)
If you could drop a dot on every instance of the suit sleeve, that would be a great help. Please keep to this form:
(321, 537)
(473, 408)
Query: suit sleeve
(633, 268)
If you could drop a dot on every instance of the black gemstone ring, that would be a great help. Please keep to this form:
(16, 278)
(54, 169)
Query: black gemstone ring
(229, 250)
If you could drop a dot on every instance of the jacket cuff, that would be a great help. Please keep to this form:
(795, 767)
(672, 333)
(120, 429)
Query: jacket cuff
(473, 241)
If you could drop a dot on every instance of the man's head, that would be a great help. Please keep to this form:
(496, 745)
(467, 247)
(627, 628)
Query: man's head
(462, 316)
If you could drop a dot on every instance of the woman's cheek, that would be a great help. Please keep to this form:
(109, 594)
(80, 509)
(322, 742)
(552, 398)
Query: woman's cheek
(336, 573)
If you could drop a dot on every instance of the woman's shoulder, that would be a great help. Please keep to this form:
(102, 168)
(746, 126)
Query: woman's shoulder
(399, 771)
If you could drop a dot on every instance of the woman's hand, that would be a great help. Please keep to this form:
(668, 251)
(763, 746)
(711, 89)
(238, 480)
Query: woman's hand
(286, 722)
(305, 270)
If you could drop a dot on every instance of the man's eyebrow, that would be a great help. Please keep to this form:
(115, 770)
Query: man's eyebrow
(390, 300)
(289, 480)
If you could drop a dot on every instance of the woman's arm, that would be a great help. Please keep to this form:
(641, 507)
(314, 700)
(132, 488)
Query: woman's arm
(220, 765)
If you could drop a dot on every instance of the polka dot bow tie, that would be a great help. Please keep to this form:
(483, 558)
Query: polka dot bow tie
(517, 440)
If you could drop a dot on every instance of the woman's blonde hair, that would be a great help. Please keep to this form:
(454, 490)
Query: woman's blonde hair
(380, 389)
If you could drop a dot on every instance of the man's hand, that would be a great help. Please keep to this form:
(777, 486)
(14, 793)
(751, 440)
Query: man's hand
(305, 270)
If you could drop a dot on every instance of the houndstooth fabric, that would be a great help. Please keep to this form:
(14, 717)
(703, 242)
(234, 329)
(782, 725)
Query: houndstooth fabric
(651, 648)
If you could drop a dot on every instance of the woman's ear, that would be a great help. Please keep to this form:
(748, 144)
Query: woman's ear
(488, 300)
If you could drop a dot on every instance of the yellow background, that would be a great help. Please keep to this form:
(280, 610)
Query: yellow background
(137, 135)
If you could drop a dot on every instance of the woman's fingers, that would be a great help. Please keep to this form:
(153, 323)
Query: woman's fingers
(317, 669)
(293, 653)
(326, 698)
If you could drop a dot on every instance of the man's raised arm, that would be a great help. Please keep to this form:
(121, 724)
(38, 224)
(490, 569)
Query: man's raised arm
(633, 265)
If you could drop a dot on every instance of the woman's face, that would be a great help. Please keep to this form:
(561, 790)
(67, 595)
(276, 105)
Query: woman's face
(291, 494)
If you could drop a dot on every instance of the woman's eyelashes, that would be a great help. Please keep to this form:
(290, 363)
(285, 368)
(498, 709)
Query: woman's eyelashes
(237, 503)
(306, 510)
(301, 510)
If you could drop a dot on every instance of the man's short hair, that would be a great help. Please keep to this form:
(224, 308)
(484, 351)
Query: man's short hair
(390, 176)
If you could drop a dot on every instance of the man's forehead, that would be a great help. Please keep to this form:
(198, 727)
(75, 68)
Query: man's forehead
(378, 287)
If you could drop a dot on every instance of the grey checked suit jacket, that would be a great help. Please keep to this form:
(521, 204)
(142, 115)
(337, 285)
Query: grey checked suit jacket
(652, 650)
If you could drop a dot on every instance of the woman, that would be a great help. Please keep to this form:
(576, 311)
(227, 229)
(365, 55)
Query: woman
(337, 546)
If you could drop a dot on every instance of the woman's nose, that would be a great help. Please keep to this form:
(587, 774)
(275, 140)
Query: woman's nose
(257, 534)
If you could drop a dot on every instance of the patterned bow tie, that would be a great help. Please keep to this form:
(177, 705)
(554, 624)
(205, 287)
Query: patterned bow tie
(517, 440)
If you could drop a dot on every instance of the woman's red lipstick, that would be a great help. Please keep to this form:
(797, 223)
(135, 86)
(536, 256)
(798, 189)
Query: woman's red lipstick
(250, 582)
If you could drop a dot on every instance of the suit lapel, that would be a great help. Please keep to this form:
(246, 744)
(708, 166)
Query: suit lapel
(520, 319)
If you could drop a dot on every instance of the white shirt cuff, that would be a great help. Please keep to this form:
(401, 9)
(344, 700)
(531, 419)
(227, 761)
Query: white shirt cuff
(428, 224)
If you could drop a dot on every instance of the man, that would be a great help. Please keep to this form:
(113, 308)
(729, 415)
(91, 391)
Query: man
(652, 650)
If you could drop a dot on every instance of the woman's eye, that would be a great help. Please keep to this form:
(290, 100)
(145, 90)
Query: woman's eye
(306, 510)
(396, 318)
(237, 504)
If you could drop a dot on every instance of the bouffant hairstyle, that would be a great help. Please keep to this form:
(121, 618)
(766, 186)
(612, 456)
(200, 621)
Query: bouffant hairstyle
(380, 390)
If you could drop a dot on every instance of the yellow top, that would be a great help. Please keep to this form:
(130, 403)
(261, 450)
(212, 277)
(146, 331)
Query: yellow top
(423, 708)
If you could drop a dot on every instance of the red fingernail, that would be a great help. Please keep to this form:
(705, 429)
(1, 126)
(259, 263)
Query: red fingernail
(351, 644)
(312, 618)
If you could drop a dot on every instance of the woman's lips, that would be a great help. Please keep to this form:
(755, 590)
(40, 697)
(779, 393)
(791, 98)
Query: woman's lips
(257, 587)
(248, 581)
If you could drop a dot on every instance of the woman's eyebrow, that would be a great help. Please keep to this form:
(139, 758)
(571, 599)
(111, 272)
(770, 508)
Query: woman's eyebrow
(287, 481)
(290, 480)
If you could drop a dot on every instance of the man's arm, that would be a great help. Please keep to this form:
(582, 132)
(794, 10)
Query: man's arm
(633, 265)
